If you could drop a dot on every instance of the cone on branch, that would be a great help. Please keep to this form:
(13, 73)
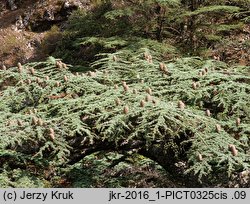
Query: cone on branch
(218, 128)
(114, 58)
(148, 98)
(65, 78)
(51, 133)
(149, 91)
(208, 113)
(64, 66)
(233, 149)
(117, 101)
(84, 118)
(199, 157)
(57, 84)
(181, 105)
(142, 103)
(124, 83)
(150, 59)
(47, 78)
(28, 81)
(59, 64)
(165, 71)
(34, 121)
(126, 88)
(4, 67)
(238, 122)
(32, 71)
(125, 110)
(19, 122)
(116, 86)
(92, 74)
(203, 72)
(162, 66)
(194, 85)
(135, 91)
(8, 123)
(20, 67)
(40, 122)
(38, 80)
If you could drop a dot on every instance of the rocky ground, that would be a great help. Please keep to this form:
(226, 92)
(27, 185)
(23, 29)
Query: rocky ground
(24, 24)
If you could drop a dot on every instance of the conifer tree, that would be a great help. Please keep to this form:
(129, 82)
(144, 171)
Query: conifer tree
(54, 118)
(207, 22)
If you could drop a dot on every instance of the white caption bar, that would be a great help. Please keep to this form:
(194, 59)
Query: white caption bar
(124, 195)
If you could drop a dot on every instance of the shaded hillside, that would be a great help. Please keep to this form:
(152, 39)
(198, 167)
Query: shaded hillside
(22, 29)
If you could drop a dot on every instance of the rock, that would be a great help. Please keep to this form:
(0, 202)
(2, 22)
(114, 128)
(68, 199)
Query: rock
(49, 15)
(66, 5)
(19, 23)
(69, 6)
(26, 19)
(11, 4)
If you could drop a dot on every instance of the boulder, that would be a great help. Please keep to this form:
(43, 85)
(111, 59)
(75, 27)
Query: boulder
(19, 23)
(12, 5)
(49, 15)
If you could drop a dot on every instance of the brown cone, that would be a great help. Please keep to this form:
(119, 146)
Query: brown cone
(208, 113)
(32, 70)
(142, 103)
(118, 102)
(20, 67)
(199, 157)
(34, 121)
(149, 91)
(218, 128)
(19, 122)
(125, 110)
(148, 98)
(114, 58)
(194, 85)
(4, 67)
(238, 122)
(162, 66)
(40, 122)
(181, 105)
(233, 149)
(126, 88)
